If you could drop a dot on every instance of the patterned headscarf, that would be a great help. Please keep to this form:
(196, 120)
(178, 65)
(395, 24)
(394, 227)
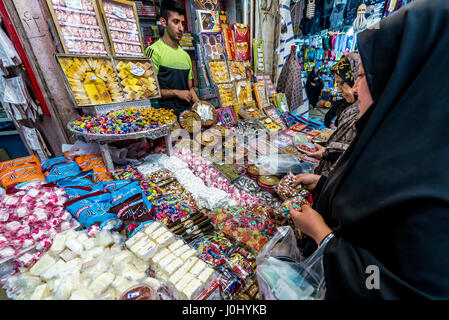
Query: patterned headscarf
(348, 68)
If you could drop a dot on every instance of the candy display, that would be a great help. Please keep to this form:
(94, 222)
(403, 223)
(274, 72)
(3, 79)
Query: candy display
(124, 121)
(79, 26)
(307, 147)
(122, 24)
(219, 71)
(251, 113)
(207, 113)
(296, 202)
(92, 80)
(241, 38)
(213, 45)
(227, 170)
(170, 209)
(244, 91)
(261, 95)
(259, 58)
(190, 121)
(137, 78)
(269, 125)
(237, 70)
(273, 114)
(226, 93)
(208, 21)
(226, 116)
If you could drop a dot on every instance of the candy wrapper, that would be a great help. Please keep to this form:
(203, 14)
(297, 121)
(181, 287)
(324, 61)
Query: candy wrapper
(170, 209)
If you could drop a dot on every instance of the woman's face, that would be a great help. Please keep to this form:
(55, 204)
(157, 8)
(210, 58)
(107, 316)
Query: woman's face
(361, 89)
(345, 90)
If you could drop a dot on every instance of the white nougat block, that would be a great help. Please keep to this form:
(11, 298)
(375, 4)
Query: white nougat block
(42, 265)
(100, 284)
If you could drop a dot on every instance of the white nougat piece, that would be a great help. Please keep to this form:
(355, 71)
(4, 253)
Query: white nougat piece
(28, 282)
(175, 245)
(160, 255)
(120, 283)
(71, 234)
(100, 284)
(134, 239)
(184, 248)
(192, 289)
(73, 265)
(183, 282)
(176, 276)
(130, 272)
(149, 229)
(198, 268)
(82, 238)
(42, 265)
(104, 238)
(89, 243)
(123, 257)
(58, 243)
(155, 234)
(54, 271)
(162, 264)
(40, 293)
(82, 294)
(67, 255)
(94, 252)
(206, 275)
(188, 254)
(139, 244)
(74, 245)
(173, 266)
(165, 239)
(140, 264)
(189, 263)
(147, 251)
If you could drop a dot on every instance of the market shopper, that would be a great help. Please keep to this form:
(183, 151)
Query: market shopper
(313, 87)
(345, 72)
(386, 202)
(173, 65)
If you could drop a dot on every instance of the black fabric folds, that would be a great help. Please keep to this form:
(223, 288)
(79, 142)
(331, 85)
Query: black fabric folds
(388, 199)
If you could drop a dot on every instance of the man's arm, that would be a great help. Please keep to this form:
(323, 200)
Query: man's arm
(192, 92)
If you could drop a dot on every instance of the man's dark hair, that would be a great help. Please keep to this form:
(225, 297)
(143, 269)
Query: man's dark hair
(168, 6)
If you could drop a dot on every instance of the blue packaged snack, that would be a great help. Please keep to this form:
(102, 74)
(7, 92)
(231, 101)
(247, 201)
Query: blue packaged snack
(50, 162)
(84, 179)
(122, 194)
(61, 171)
(115, 185)
(93, 208)
(73, 192)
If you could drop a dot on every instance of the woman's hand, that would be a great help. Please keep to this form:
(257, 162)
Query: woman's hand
(307, 180)
(310, 222)
(317, 154)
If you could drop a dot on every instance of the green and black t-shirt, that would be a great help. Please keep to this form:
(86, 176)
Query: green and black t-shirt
(174, 70)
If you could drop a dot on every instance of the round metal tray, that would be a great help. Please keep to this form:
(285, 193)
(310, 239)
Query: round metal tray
(150, 134)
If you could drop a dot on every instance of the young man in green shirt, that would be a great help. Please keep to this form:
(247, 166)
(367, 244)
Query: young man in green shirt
(173, 65)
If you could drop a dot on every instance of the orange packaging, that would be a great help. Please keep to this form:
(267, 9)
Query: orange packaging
(7, 165)
(91, 162)
(103, 177)
(20, 174)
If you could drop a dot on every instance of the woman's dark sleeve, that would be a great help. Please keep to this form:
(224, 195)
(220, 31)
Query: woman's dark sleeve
(319, 186)
(332, 156)
(407, 245)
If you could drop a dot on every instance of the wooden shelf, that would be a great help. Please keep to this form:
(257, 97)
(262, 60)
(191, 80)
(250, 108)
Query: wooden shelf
(8, 133)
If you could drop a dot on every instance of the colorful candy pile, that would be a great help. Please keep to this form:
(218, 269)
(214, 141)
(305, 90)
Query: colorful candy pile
(296, 202)
(286, 189)
(29, 219)
(124, 121)
(170, 209)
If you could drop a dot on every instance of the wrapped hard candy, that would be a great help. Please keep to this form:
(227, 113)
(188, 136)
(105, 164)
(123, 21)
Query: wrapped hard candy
(13, 226)
(7, 252)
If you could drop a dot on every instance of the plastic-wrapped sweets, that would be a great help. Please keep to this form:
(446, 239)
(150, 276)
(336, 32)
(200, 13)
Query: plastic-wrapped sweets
(79, 267)
(30, 219)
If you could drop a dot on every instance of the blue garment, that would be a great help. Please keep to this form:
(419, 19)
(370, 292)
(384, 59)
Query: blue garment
(337, 16)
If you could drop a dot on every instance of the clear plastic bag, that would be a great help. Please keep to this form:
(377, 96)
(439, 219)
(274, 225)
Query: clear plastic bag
(283, 276)
(282, 163)
(8, 53)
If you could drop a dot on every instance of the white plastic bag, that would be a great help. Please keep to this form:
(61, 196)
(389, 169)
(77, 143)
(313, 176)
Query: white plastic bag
(283, 276)
(283, 163)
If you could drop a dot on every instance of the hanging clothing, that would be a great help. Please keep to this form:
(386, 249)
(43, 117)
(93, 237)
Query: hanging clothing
(351, 12)
(327, 11)
(297, 13)
(286, 37)
(387, 199)
(337, 16)
(290, 82)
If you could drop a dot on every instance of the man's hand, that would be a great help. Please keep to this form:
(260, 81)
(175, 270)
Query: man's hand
(310, 222)
(184, 95)
(317, 154)
(307, 180)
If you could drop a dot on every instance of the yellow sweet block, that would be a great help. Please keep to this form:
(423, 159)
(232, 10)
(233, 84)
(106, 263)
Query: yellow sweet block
(93, 93)
(104, 94)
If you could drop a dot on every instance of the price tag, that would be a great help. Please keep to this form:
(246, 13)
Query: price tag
(119, 13)
(74, 4)
(92, 78)
(137, 71)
